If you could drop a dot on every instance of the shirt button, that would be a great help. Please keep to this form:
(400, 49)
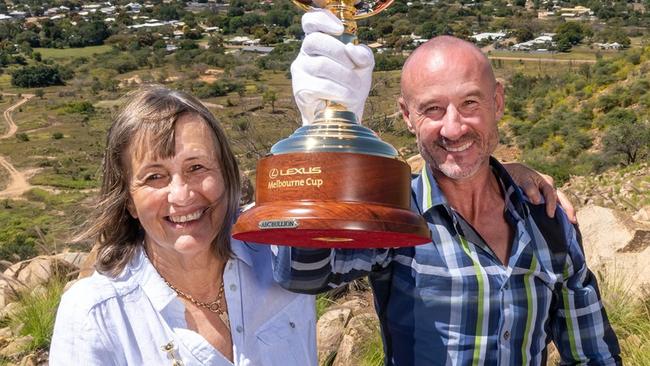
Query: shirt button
(506, 335)
(239, 329)
(233, 287)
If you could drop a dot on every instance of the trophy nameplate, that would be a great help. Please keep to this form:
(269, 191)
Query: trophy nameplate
(334, 183)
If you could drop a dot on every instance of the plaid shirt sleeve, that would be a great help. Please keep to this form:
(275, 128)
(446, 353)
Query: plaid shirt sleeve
(580, 327)
(313, 271)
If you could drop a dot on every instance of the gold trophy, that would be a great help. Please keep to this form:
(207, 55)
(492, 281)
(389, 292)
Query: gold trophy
(334, 183)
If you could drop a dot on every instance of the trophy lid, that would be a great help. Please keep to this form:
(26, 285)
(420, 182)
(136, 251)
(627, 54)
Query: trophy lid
(335, 131)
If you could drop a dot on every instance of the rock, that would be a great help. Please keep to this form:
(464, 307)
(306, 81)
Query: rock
(416, 162)
(604, 231)
(39, 290)
(9, 290)
(39, 270)
(330, 329)
(74, 258)
(17, 346)
(9, 310)
(354, 342)
(616, 245)
(87, 268)
(4, 265)
(5, 332)
(643, 215)
(29, 360)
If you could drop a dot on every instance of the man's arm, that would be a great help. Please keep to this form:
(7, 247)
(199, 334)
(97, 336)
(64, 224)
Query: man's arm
(317, 270)
(580, 327)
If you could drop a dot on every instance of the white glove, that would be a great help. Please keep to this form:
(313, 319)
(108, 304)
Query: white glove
(327, 69)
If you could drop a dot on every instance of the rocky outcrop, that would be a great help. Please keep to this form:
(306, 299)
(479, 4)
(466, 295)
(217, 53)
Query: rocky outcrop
(344, 329)
(618, 189)
(29, 277)
(617, 244)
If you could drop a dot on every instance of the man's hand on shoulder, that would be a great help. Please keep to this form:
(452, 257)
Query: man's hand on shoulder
(537, 185)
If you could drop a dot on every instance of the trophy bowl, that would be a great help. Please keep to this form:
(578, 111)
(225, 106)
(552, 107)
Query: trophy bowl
(334, 183)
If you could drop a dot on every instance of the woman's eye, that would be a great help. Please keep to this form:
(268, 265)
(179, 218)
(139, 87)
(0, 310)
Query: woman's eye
(152, 177)
(196, 167)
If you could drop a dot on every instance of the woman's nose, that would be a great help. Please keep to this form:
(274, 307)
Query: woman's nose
(179, 190)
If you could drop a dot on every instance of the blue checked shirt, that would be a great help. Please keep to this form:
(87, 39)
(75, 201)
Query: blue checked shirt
(452, 302)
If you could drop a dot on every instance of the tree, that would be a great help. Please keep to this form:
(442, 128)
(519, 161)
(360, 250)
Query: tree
(630, 138)
(39, 93)
(36, 76)
(523, 34)
(571, 33)
(270, 96)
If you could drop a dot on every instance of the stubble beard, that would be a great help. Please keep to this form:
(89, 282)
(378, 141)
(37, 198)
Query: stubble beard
(459, 170)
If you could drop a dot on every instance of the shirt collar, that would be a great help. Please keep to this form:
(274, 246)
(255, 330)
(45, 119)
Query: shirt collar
(429, 195)
(241, 251)
(154, 286)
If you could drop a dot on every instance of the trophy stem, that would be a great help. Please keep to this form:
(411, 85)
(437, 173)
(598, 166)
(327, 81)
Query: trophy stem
(345, 12)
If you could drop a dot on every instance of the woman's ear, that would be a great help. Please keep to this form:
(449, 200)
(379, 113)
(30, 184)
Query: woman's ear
(131, 208)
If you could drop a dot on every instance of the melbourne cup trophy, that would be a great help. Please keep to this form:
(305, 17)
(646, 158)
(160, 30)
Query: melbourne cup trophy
(333, 183)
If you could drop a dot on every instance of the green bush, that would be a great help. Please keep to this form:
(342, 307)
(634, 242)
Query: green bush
(23, 137)
(37, 313)
(57, 135)
(84, 107)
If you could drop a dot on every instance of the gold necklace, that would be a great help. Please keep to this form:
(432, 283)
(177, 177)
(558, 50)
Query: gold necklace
(214, 306)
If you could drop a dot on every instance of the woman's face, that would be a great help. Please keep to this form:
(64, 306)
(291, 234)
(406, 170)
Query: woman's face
(181, 201)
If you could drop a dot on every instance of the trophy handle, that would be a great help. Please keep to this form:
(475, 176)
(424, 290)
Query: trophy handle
(348, 11)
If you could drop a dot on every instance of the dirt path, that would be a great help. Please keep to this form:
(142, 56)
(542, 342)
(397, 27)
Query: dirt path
(535, 59)
(17, 182)
(7, 115)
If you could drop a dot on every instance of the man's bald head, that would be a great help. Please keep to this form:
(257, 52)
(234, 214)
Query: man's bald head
(438, 48)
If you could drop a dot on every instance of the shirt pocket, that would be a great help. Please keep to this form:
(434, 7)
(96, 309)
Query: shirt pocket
(289, 338)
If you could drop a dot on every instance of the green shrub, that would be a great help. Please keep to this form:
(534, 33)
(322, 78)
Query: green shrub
(22, 137)
(57, 135)
(37, 313)
(84, 107)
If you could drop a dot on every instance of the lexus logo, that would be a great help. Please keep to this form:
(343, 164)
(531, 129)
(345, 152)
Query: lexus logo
(273, 173)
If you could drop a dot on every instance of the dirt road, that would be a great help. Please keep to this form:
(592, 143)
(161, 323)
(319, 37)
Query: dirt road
(17, 182)
(534, 59)
(7, 115)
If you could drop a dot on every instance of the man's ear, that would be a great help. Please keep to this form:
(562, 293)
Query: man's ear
(499, 101)
(406, 114)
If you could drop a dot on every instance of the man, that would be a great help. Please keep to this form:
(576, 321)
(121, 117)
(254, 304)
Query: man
(500, 280)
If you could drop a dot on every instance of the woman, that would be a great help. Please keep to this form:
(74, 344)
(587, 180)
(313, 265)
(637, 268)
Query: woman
(171, 285)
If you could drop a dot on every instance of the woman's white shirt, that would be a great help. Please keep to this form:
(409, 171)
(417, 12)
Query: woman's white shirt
(129, 319)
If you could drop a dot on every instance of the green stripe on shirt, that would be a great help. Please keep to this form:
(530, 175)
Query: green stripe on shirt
(568, 313)
(525, 347)
(478, 339)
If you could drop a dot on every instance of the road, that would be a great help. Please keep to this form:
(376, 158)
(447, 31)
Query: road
(17, 182)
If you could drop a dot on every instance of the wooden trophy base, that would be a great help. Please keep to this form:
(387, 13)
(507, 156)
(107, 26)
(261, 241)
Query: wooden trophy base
(332, 200)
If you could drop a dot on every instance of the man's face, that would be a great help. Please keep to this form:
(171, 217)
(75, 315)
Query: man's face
(452, 106)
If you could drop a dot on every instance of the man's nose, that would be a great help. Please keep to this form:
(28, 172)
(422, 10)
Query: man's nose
(179, 190)
(452, 127)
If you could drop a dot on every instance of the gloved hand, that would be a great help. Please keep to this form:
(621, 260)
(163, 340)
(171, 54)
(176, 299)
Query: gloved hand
(327, 69)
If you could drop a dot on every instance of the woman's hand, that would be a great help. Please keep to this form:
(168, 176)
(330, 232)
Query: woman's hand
(536, 185)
